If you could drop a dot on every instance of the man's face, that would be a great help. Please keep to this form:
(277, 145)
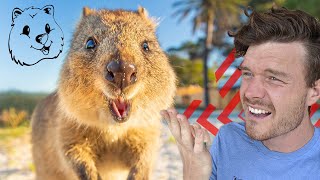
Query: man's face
(273, 90)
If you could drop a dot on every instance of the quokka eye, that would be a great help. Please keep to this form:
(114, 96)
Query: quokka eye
(91, 43)
(47, 28)
(26, 30)
(145, 46)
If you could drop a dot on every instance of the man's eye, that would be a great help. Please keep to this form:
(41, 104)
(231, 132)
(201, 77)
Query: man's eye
(272, 78)
(246, 74)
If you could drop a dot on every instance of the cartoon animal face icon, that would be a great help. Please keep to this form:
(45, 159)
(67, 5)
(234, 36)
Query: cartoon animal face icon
(34, 36)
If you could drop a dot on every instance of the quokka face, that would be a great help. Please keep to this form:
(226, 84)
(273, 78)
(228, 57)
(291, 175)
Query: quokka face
(115, 70)
(34, 36)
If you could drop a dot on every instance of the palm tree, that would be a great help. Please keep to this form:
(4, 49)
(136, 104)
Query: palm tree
(194, 50)
(215, 16)
(310, 6)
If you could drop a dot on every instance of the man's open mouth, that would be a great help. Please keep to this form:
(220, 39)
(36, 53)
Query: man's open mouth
(120, 109)
(258, 113)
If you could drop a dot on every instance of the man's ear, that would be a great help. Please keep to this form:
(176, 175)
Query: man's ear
(314, 93)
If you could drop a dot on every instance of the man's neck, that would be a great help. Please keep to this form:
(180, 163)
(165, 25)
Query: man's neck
(292, 140)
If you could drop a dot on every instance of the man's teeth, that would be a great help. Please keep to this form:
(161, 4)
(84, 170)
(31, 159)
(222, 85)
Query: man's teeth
(258, 111)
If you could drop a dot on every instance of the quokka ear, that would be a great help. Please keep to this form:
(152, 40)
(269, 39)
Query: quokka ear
(15, 13)
(48, 9)
(144, 14)
(87, 11)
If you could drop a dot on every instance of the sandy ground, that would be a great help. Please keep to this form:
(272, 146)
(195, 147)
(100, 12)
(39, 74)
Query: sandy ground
(16, 159)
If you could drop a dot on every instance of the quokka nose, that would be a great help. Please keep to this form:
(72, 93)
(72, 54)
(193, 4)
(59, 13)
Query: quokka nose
(42, 38)
(121, 73)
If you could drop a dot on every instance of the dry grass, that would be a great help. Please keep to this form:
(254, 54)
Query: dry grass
(8, 133)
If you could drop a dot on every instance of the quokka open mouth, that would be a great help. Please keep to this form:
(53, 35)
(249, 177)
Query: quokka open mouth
(120, 109)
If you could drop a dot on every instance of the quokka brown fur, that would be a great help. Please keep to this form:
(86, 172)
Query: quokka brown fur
(103, 122)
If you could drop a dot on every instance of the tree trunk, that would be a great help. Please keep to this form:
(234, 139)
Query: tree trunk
(205, 74)
(208, 47)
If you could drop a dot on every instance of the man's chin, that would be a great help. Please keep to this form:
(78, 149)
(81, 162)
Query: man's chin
(255, 133)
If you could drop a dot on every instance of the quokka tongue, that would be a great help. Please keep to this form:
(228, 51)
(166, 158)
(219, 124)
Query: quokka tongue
(115, 109)
(120, 103)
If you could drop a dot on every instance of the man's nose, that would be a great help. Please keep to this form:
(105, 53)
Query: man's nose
(255, 89)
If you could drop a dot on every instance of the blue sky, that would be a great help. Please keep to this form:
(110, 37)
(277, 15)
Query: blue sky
(44, 75)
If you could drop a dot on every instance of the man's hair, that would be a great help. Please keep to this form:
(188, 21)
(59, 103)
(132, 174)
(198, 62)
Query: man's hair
(284, 26)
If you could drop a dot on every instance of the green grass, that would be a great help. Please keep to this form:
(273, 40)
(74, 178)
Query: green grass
(9, 132)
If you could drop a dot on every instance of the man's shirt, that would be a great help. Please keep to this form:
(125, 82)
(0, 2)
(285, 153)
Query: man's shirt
(236, 156)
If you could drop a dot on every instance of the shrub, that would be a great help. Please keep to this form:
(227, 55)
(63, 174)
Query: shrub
(13, 118)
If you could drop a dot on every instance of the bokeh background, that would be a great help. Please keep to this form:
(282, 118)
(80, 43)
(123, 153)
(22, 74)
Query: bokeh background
(193, 33)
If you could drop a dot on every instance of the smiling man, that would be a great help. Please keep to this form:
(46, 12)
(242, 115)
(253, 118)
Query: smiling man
(280, 81)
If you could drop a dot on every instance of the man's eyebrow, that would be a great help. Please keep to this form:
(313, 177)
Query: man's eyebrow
(276, 72)
(243, 68)
(272, 71)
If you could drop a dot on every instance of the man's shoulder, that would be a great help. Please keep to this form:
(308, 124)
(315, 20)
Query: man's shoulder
(233, 127)
(317, 133)
(317, 129)
(234, 132)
